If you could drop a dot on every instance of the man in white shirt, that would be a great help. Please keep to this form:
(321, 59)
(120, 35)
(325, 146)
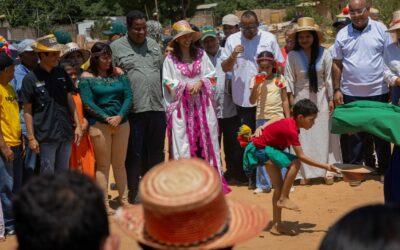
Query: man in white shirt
(239, 57)
(358, 75)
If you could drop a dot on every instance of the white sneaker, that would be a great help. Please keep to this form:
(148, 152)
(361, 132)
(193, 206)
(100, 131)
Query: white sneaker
(260, 190)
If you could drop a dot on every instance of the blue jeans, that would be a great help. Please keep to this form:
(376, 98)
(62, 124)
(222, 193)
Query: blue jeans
(10, 184)
(2, 231)
(54, 157)
(262, 178)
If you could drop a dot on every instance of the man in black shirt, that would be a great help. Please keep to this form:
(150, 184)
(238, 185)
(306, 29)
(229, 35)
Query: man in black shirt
(49, 109)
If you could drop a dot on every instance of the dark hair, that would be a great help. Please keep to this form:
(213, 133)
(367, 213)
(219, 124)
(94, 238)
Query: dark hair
(62, 211)
(266, 53)
(312, 71)
(67, 63)
(134, 15)
(178, 53)
(97, 50)
(5, 61)
(145, 247)
(250, 13)
(369, 227)
(304, 107)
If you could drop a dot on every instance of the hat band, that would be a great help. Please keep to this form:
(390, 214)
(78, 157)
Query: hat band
(224, 229)
(265, 58)
(396, 22)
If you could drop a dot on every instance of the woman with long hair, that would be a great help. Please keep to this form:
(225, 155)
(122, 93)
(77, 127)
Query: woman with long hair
(308, 72)
(189, 82)
(107, 99)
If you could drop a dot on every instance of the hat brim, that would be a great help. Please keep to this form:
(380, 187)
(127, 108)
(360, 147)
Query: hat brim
(300, 29)
(394, 28)
(195, 35)
(41, 48)
(208, 35)
(246, 221)
(352, 168)
(85, 54)
(108, 33)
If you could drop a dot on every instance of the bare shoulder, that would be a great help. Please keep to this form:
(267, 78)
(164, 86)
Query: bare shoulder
(87, 74)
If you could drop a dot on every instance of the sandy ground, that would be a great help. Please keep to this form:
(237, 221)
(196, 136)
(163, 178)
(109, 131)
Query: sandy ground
(321, 206)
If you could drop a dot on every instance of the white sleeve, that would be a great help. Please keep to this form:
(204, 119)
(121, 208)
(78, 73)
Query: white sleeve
(290, 72)
(328, 73)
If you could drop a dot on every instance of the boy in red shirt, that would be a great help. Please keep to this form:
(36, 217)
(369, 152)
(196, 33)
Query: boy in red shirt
(266, 147)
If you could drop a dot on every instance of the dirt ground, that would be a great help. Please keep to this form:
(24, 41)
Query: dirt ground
(321, 206)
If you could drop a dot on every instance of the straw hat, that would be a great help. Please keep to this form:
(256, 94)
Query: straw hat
(307, 24)
(72, 47)
(183, 207)
(395, 25)
(352, 172)
(47, 44)
(182, 28)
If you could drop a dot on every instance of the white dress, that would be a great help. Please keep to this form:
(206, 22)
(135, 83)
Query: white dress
(317, 142)
(191, 120)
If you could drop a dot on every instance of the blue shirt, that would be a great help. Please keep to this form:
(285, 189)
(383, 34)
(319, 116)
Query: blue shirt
(20, 72)
(361, 53)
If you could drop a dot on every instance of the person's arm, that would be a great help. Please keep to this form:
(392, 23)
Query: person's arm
(88, 99)
(285, 103)
(126, 104)
(337, 67)
(33, 143)
(390, 77)
(254, 91)
(290, 76)
(78, 127)
(328, 79)
(307, 160)
(5, 150)
(227, 65)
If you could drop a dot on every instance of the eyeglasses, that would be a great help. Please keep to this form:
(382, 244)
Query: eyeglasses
(249, 28)
(358, 12)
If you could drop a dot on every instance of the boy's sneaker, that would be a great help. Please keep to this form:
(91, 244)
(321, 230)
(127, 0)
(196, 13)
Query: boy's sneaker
(10, 232)
(260, 190)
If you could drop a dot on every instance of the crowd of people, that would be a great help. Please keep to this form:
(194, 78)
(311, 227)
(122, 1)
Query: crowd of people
(65, 107)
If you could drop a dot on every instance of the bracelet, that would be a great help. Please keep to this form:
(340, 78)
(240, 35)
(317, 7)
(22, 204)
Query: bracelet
(31, 138)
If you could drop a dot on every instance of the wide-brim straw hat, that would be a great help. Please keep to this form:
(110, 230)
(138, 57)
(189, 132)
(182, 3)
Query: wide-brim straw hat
(182, 28)
(395, 25)
(307, 24)
(47, 44)
(72, 47)
(183, 207)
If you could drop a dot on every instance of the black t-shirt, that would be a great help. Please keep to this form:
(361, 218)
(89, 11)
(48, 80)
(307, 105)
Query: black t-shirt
(52, 120)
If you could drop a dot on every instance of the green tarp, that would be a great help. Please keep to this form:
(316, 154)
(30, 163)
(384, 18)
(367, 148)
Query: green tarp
(377, 118)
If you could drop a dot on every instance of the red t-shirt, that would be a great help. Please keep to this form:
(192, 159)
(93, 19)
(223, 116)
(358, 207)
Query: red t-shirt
(280, 134)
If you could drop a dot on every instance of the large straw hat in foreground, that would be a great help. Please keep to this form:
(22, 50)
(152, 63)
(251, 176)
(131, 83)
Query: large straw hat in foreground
(307, 24)
(182, 28)
(183, 207)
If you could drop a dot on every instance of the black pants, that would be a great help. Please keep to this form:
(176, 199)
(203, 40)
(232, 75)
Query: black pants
(228, 128)
(360, 147)
(145, 147)
(248, 116)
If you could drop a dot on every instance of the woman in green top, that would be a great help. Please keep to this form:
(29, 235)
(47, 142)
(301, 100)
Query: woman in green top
(107, 98)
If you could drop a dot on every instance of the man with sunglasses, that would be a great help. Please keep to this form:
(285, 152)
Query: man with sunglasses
(239, 57)
(358, 75)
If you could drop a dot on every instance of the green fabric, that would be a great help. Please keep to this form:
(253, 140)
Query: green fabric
(252, 158)
(104, 97)
(143, 65)
(377, 118)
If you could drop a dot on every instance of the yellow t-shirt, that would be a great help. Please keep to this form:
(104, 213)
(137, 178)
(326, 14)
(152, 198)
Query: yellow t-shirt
(269, 102)
(9, 116)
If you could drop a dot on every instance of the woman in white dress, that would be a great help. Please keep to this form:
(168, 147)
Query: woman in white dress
(308, 73)
(188, 84)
